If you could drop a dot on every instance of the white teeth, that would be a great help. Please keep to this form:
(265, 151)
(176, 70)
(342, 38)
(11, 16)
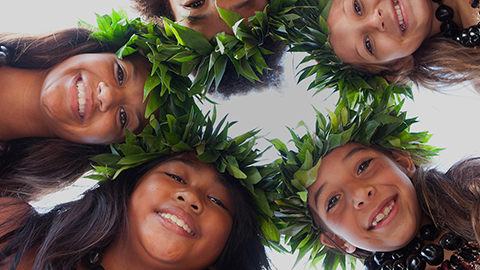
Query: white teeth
(179, 222)
(401, 23)
(81, 98)
(383, 215)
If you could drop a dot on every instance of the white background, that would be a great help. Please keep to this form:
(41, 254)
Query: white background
(451, 117)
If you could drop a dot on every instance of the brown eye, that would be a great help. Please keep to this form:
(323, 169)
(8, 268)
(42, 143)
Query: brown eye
(176, 177)
(363, 166)
(123, 117)
(195, 4)
(332, 202)
(120, 74)
(357, 8)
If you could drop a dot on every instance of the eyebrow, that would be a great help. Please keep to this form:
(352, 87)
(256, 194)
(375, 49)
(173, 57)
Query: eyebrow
(243, 4)
(317, 194)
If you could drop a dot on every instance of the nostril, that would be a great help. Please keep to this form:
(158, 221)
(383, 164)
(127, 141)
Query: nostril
(194, 207)
(369, 193)
(181, 198)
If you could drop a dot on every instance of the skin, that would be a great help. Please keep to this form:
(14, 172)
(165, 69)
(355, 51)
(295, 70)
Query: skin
(356, 25)
(202, 15)
(354, 185)
(190, 189)
(45, 104)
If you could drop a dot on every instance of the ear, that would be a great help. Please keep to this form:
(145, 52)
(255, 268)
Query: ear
(405, 162)
(335, 241)
(402, 64)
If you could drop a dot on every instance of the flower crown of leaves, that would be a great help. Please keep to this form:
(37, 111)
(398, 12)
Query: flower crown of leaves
(380, 123)
(180, 130)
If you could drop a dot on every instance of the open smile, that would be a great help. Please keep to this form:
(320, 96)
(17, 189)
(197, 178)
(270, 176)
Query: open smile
(81, 97)
(383, 214)
(177, 221)
(398, 10)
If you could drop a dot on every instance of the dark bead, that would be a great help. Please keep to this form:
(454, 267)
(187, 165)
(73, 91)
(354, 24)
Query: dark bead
(475, 3)
(380, 257)
(428, 232)
(433, 254)
(415, 245)
(473, 36)
(444, 13)
(414, 262)
(94, 257)
(3, 59)
(399, 265)
(449, 29)
(450, 241)
(7, 53)
(398, 254)
(464, 40)
(387, 265)
(370, 263)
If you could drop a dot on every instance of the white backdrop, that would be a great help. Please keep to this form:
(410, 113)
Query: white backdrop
(450, 117)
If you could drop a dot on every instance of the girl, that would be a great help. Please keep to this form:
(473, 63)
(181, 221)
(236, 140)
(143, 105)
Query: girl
(68, 86)
(166, 210)
(357, 185)
(421, 41)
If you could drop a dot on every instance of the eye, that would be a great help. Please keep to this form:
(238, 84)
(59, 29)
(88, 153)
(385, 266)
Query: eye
(357, 8)
(176, 177)
(123, 117)
(368, 45)
(363, 166)
(195, 4)
(332, 202)
(217, 202)
(120, 74)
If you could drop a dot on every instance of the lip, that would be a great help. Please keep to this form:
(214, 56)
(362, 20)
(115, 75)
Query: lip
(174, 228)
(74, 98)
(404, 14)
(379, 210)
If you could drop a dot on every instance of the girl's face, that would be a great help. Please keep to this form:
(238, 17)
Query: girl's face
(202, 15)
(379, 31)
(180, 215)
(366, 198)
(93, 98)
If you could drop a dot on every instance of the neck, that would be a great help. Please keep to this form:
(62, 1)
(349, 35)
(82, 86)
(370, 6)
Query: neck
(20, 109)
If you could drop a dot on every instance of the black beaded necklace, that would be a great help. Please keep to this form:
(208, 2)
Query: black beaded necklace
(415, 256)
(469, 37)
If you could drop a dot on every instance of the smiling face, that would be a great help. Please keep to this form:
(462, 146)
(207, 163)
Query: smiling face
(202, 15)
(379, 31)
(93, 98)
(366, 198)
(180, 215)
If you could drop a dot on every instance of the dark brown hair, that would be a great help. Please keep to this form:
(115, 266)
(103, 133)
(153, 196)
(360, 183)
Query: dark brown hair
(451, 200)
(66, 234)
(43, 51)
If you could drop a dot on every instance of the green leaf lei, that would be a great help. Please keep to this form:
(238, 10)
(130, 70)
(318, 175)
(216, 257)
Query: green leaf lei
(379, 123)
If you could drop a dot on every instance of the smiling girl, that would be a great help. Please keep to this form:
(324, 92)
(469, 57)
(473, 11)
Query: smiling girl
(421, 41)
(359, 180)
(64, 85)
(166, 210)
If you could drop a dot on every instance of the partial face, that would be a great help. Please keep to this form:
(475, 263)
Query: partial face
(93, 98)
(189, 192)
(378, 31)
(366, 198)
(202, 15)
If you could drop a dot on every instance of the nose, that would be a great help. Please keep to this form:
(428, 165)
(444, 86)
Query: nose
(107, 96)
(361, 195)
(376, 20)
(191, 200)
